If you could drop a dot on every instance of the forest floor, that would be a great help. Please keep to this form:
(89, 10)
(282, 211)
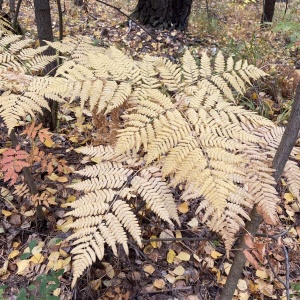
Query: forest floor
(195, 267)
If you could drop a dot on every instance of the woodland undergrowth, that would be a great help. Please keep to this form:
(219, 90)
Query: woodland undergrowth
(181, 130)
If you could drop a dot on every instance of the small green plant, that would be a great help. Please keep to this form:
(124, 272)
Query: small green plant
(2, 290)
(254, 49)
(296, 289)
(292, 31)
(31, 245)
(42, 288)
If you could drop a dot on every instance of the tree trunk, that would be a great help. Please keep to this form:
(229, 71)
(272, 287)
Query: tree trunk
(12, 5)
(163, 14)
(45, 32)
(268, 11)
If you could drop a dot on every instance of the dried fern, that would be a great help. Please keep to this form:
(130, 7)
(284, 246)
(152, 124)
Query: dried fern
(180, 126)
(104, 214)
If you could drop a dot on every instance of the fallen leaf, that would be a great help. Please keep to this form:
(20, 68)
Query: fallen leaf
(183, 207)
(193, 223)
(159, 284)
(170, 278)
(288, 197)
(37, 258)
(244, 296)
(227, 267)
(170, 256)
(6, 213)
(216, 254)
(154, 243)
(13, 254)
(110, 272)
(184, 256)
(62, 179)
(242, 285)
(167, 234)
(23, 265)
(178, 270)
(149, 269)
(262, 274)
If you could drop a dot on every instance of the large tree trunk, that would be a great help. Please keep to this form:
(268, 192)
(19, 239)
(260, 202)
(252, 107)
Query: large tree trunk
(45, 32)
(268, 11)
(163, 14)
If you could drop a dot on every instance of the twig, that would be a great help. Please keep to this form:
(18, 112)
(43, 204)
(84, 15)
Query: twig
(14, 24)
(184, 288)
(179, 239)
(60, 18)
(287, 272)
(130, 18)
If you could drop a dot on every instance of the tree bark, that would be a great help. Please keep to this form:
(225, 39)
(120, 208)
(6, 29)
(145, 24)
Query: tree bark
(285, 147)
(163, 14)
(45, 32)
(12, 5)
(268, 11)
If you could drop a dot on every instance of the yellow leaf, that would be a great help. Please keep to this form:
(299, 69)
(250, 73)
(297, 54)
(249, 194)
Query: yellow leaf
(170, 278)
(37, 258)
(56, 292)
(63, 253)
(262, 274)
(13, 254)
(65, 226)
(53, 177)
(179, 271)
(184, 256)
(2, 150)
(159, 284)
(3, 270)
(218, 273)
(178, 234)
(170, 256)
(53, 256)
(149, 269)
(66, 261)
(16, 244)
(183, 207)
(38, 248)
(6, 213)
(154, 243)
(51, 191)
(71, 199)
(216, 254)
(23, 265)
(58, 265)
(288, 197)
(62, 179)
(73, 139)
(48, 143)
